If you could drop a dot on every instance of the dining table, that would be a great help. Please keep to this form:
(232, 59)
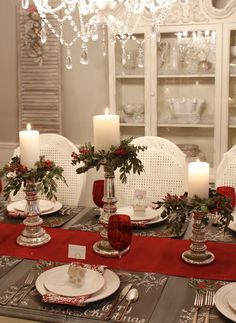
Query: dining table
(166, 284)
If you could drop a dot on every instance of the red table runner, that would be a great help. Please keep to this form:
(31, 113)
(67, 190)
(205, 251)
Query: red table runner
(147, 254)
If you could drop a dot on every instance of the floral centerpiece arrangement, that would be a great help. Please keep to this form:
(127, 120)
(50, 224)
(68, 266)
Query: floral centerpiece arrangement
(179, 208)
(124, 157)
(45, 173)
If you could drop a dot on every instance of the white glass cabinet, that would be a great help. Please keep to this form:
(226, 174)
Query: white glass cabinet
(186, 89)
(229, 90)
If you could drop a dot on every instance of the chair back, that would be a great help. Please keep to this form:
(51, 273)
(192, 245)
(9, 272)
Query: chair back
(226, 171)
(165, 171)
(58, 149)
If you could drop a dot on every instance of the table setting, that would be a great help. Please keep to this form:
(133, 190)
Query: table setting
(56, 217)
(107, 304)
(129, 273)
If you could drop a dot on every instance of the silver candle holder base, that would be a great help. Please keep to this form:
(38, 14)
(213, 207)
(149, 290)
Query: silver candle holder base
(198, 253)
(33, 234)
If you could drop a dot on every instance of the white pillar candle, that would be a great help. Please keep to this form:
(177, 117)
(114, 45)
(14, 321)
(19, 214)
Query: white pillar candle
(198, 179)
(29, 146)
(106, 131)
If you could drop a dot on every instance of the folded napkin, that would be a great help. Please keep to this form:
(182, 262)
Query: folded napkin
(16, 214)
(141, 224)
(58, 299)
(51, 297)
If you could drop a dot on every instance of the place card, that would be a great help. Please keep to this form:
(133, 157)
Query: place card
(139, 198)
(76, 251)
(140, 194)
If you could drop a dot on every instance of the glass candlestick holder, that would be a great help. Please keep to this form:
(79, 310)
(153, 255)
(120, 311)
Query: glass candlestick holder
(198, 253)
(103, 246)
(33, 234)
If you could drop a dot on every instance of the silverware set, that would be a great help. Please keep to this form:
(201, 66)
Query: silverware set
(25, 288)
(199, 302)
(130, 295)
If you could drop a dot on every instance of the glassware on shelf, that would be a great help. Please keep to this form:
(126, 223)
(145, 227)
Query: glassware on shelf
(140, 54)
(120, 233)
(186, 109)
(131, 60)
(164, 48)
(132, 113)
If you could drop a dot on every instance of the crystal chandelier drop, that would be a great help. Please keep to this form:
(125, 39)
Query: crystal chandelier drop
(85, 20)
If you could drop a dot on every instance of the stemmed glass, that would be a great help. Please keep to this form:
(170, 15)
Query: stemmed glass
(229, 192)
(98, 193)
(120, 233)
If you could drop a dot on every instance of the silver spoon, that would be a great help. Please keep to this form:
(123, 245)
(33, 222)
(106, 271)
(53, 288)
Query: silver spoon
(131, 297)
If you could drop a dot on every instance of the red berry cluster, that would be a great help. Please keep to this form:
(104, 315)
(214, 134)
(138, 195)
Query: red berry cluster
(121, 152)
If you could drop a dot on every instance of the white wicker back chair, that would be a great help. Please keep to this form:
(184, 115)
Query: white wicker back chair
(58, 149)
(165, 171)
(226, 171)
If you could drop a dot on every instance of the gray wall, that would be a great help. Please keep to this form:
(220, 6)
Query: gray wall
(84, 88)
(84, 92)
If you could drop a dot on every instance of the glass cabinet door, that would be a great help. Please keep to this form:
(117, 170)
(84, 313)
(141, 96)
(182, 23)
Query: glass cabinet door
(130, 85)
(188, 91)
(229, 88)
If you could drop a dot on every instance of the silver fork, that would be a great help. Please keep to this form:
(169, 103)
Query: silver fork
(28, 281)
(209, 303)
(198, 303)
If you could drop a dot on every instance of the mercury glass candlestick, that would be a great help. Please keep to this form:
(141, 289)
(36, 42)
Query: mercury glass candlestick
(103, 246)
(198, 253)
(33, 234)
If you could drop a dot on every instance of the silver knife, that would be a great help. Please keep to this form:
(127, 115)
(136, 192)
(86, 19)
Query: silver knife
(117, 301)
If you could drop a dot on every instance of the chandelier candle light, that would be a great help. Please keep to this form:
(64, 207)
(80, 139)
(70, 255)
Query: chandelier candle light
(86, 18)
(29, 146)
(198, 179)
(106, 130)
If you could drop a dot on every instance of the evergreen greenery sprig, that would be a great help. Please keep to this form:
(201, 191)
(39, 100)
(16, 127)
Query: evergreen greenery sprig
(179, 208)
(124, 157)
(45, 173)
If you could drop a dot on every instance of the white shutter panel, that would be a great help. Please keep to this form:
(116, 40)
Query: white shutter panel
(39, 85)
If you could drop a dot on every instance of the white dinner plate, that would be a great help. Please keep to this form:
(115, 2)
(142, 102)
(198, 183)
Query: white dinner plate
(44, 205)
(232, 224)
(57, 281)
(221, 301)
(147, 215)
(56, 207)
(158, 219)
(231, 298)
(112, 283)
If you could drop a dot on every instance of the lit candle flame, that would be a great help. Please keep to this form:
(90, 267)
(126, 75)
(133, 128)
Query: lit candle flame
(28, 127)
(198, 160)
(107, 111)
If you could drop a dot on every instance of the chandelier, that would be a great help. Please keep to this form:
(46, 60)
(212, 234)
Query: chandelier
(88, 19)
